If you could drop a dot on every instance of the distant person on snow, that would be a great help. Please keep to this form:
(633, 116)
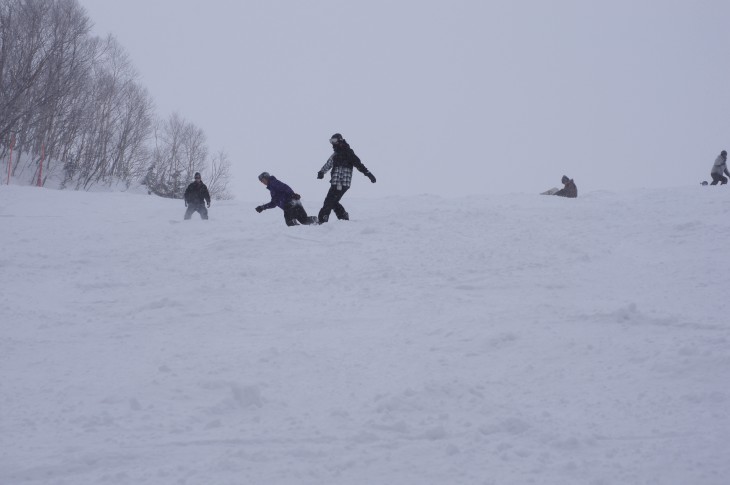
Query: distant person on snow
(283, 196)
(569, 189)
(720, 168)
(196, 198)
(341, 163)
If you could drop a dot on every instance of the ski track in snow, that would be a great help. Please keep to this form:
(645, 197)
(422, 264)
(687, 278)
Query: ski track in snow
(482, 340)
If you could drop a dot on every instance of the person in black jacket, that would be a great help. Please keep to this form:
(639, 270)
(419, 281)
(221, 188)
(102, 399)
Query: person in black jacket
(569, 190)
(283, 197)
(196, 198)
(341, 163)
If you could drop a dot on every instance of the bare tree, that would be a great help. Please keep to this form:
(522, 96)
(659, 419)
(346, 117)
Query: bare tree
(115, 124)
(76, 99)
(24, 52)
(220, 175)
(180, 150)
(44, 58)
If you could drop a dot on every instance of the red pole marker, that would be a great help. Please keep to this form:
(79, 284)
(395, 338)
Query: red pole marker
(10, 160)
(40, 169)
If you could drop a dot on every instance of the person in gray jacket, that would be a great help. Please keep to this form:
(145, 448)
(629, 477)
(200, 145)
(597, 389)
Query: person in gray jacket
(570, 190)
(720, 168)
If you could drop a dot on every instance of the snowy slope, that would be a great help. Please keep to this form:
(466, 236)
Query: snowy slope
(483, 340)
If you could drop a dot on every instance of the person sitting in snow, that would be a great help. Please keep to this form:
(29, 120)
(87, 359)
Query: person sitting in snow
(283, 196)
(569, 189)
(196, 197)
(720, 168)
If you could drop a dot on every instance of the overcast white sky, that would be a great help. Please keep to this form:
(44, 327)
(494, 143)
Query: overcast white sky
(441, 97)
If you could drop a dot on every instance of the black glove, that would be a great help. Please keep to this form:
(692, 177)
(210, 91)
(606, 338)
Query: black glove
(370, 176)
(296, 196)
(320, 175)
(260, 209)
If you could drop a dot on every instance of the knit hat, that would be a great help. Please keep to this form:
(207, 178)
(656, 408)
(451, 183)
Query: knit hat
(264, 175)
(197, 175)
(565, 179)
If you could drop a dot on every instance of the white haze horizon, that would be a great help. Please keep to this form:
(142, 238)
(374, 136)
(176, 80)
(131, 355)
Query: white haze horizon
(445, 98)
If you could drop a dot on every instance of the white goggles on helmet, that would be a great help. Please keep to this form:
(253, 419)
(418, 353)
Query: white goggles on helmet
(334, 140)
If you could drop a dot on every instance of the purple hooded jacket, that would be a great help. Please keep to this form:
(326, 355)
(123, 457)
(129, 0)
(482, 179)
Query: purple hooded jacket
(281, 193)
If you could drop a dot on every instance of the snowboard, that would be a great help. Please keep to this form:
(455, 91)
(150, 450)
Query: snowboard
(552, 191)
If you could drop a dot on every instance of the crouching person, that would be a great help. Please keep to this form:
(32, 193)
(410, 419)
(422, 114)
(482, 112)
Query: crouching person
(569, 188)
(720, 168)
(283, 196)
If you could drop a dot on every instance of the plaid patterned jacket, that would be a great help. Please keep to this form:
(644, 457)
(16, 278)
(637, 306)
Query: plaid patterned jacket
(341, 162)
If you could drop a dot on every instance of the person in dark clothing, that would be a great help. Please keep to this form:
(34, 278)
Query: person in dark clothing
(283, 196)
(196, 198)
(569, 189)
(720, 168)
(341, 162)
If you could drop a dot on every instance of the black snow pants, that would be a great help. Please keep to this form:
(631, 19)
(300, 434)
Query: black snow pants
(295, 212)
(196, 207)
(332, 202)
(718, 177)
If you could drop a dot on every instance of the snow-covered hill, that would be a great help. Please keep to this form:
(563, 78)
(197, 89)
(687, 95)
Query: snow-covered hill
(484, 340)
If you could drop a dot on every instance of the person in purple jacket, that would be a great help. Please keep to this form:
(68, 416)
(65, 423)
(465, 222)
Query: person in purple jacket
(283, 196)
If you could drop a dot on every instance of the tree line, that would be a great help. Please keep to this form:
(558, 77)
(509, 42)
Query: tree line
(72, 108)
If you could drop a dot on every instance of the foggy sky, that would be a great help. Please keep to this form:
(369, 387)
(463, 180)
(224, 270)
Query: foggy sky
(441, 97)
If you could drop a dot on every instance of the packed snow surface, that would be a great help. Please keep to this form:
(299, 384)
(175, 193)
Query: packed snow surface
(483, 340)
